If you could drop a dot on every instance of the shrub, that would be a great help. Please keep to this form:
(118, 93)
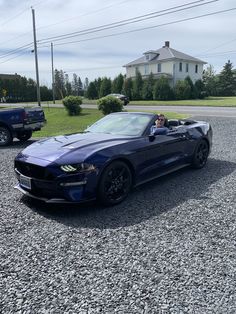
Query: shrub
(182, 90)
(109, 104)
(162, 89)
(72, 105)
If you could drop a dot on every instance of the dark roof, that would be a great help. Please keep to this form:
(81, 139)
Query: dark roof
(9, 76)
(164, 54)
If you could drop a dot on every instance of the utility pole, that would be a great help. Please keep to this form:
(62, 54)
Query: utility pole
(53, 77)
(36, 59)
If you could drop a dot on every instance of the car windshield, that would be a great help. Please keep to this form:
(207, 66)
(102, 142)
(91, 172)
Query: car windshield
(121, 124)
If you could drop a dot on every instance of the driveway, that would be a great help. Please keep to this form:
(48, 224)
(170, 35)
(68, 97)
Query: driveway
(169, 248)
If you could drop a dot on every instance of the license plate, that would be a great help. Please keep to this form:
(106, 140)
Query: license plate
(25, 182)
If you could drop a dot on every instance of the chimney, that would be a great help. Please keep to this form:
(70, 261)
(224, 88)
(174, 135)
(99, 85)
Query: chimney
(167, 44)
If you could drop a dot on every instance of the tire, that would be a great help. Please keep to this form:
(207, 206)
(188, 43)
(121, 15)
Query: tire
(24, 136)
(5, 136)
(115, 183)
(200, 155)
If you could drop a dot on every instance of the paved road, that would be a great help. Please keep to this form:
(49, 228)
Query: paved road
(193, 111)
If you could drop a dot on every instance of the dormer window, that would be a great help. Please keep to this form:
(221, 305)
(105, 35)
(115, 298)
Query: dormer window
(147, 57)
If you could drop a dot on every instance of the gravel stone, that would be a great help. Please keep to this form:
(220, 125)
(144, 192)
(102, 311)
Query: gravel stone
(169, 248)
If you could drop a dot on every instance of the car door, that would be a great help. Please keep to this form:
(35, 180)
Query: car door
(165, 153)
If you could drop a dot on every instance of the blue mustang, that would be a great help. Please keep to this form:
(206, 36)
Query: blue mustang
(109, 158)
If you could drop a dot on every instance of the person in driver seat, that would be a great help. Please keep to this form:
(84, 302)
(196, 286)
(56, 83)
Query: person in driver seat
(159, 128)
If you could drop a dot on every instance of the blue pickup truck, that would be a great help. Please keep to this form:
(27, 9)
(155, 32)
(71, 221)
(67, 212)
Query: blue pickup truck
(19, 123)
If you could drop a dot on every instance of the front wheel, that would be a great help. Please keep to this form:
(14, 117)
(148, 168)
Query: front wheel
(5, 136)
(24, 136)
(115, 183)
(200, 155)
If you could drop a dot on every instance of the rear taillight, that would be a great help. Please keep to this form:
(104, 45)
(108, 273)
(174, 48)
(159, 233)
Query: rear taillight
(24, 116)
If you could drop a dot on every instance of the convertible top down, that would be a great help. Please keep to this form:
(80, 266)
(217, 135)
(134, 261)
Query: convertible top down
(109, 158)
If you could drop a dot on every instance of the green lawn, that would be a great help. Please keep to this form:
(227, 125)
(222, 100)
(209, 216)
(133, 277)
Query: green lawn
(209, 101)
(58, 121)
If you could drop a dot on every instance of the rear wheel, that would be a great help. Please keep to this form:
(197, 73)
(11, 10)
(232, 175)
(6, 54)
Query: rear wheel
(200, 155)
(5, 136)
(24, 136)
(115, 183)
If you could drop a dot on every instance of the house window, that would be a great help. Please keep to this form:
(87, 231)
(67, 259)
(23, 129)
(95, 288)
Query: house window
(186, 67)
(146, 69)
(147, 57)
(159, 67)
(196, 68)
(180, 67)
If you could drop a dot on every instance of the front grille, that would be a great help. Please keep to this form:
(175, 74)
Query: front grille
(33, 171)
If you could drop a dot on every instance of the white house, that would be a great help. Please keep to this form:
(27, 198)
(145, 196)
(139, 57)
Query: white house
(168, 62)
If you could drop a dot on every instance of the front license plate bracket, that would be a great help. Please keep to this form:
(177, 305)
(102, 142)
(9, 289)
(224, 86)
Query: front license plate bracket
(25, 182)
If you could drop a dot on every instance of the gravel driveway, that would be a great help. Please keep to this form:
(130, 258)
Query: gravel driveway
(170, 248)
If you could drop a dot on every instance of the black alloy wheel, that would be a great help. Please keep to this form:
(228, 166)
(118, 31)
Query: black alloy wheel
(200, 155)
(24, 136)
(115, 183)
(5, 136)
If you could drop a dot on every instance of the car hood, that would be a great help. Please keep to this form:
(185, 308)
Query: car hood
(75, 147)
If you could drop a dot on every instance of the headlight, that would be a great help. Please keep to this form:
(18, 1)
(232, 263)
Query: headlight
(82, 167)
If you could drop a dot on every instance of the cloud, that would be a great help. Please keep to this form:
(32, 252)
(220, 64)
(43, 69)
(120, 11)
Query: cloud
(100, 54)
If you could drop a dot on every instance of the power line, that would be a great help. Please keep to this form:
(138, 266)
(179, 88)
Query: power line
(20, 13)
(85, 14)
(19, 55)
(17, 50)
(148, 27)
(126, 22)
(119, 23)
(136, 30)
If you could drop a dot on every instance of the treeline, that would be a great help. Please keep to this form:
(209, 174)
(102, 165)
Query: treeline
(212, 84)
(21, 89)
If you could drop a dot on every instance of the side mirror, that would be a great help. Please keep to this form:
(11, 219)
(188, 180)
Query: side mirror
(151, 137)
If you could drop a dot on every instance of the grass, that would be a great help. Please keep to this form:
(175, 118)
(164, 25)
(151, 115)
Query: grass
(209, 101)
(58, 121)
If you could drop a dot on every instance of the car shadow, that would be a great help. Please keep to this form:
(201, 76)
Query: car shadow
(144, 202)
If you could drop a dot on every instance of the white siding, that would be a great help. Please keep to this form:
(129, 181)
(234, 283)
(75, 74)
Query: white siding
(168, 67)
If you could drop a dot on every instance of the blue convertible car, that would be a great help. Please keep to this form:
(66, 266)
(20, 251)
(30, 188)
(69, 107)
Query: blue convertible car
(109, 158)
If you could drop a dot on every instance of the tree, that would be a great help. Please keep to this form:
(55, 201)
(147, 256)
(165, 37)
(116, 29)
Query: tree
(137, 86)
(200, 89)
(148, 86)
(98, 83)
(105, 87)
(162, 89)
(75, 85)
(210, 81)
(117, 84)
(68, 88)
(86, 84)
(91, 92)
(59, 84)
(182, 90)
(227, 82)
(127, 87)
(193, 92)
(80, 87)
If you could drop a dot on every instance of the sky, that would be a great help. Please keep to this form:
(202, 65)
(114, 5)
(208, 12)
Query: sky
(96, 38)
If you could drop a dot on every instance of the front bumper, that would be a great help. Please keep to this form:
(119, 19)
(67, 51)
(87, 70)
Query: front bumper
(80, 189)
(50, 200)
